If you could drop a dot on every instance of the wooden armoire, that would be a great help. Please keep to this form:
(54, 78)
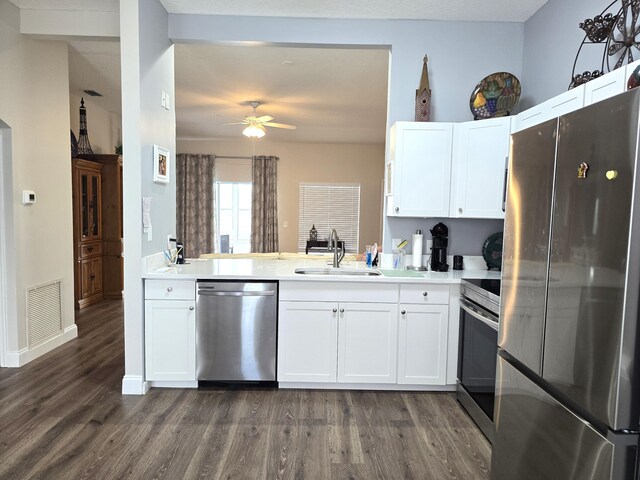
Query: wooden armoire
(97, 228)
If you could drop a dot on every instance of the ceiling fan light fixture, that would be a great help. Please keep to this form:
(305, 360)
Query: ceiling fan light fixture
(254, 131)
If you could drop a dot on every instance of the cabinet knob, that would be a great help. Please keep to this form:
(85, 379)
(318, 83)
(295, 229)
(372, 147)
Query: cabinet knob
(190, 307)
(403, 312)
(397, 209)
(342, 310)
(334, 310)
(169, 289)
(425, 294)
(460, 210)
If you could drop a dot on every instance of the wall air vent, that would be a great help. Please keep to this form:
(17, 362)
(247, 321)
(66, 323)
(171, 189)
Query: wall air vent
(44, 312)
(92, 93)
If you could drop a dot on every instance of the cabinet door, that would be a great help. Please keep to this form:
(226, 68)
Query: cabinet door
(90, 277)
(307, 341)
(479, 168)
(422, 344)
(421, 169)
(566, 102)
(170, 340)
(532, 116)
(368, 343)
(605, 86)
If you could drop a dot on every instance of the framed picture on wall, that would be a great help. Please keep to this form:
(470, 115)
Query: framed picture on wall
(161, 164)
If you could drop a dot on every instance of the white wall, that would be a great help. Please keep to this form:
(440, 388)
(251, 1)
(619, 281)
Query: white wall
(147, 69)
(34, 103)
(551, 40)
(104, 127)
(305, 163)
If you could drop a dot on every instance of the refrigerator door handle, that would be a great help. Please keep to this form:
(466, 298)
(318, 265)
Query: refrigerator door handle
(478, 314)
(504, 186)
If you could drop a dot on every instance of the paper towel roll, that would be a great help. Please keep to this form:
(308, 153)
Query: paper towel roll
(416, 250)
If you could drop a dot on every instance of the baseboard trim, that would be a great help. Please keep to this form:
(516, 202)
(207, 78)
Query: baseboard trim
(173, 384)
(368, 386)
(134, 385)
(26, 355)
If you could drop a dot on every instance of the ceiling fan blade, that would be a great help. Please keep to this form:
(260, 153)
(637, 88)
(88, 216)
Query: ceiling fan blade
(279, 125)
(235, 123)
(264, 118)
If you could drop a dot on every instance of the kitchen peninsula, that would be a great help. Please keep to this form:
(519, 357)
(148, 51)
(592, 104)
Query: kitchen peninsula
(394, 331)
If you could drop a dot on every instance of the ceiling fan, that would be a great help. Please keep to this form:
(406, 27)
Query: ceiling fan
(255, 125)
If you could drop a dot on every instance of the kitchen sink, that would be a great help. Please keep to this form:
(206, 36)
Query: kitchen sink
(337, 271)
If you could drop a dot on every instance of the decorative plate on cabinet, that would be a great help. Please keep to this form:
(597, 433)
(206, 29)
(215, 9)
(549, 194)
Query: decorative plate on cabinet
(495, 96)
(492, 251)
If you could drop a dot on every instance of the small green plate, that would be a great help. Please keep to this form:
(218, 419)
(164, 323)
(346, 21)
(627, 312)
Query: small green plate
(492, 251)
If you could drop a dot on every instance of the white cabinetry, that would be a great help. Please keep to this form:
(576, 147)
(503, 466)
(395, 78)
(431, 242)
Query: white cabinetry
(170, 331)
(605, 86)
(423, 334)
(308, 342)
(480, 157)
(419, 172)
(367, 342)
(559, 105)
(338, 332)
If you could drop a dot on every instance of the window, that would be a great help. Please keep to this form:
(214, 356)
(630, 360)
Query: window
(326, 207)
(233, 216)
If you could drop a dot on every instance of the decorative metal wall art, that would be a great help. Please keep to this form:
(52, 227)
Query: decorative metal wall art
(616, 31)
(84, 146)
(423, 95)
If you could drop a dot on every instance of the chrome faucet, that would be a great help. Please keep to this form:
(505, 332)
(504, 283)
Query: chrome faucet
(333, 242)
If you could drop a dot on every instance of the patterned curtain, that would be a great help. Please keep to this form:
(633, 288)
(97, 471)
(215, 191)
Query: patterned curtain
(194, 203)
(264, 205)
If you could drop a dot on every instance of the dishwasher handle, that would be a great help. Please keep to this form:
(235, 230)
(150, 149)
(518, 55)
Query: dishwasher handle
(240, 293)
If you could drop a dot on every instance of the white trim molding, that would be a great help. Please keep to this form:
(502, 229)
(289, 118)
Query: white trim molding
(134, 385)
(26, 355)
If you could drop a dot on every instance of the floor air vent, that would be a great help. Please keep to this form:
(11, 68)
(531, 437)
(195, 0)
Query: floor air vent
(44, 312)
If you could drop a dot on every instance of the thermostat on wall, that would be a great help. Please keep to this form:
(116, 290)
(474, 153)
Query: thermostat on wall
(28, 197)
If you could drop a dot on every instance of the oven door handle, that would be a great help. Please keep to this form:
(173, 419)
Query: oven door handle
(479, 315)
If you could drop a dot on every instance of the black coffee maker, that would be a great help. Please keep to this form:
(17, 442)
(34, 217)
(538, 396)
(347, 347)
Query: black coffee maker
(440, 234)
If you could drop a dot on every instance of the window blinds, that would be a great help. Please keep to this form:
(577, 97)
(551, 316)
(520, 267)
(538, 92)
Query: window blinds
(330, 206)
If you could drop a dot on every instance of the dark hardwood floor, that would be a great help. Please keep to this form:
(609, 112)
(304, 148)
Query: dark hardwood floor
(63, 417)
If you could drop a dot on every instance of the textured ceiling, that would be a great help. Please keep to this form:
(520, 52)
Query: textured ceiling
(330, 95)
(472, 10)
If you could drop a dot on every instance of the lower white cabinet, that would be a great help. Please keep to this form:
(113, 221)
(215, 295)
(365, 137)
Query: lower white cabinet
(326, 342)
(422, 344)
(170, 340)
(367, 342)
(307, 342)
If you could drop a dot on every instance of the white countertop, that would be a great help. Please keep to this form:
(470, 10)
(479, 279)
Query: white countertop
(284, 269)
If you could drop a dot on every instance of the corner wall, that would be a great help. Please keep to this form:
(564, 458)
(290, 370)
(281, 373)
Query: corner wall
(34, 103)
(147, 69)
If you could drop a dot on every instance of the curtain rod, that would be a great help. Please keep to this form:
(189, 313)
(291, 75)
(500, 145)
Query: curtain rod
(232, 156)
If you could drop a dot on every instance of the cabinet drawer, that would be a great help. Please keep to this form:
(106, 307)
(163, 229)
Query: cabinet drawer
(90, 250)
(339, 292)
(425, 294)
(169, 289)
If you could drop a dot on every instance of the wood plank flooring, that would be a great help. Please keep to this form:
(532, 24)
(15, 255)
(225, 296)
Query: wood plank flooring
(63, 417)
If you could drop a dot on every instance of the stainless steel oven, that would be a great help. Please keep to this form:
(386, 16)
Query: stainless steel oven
(479, 307)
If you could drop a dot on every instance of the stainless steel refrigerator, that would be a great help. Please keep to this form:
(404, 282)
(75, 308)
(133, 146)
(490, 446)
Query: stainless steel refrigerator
(567, 399)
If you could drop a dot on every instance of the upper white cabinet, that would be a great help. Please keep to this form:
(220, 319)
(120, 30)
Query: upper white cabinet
(480, 157)
(419, 169)
(559, 105)
(605, 86)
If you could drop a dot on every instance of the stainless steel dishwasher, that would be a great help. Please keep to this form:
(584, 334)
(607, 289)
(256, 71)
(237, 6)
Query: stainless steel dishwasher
(236, 331)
